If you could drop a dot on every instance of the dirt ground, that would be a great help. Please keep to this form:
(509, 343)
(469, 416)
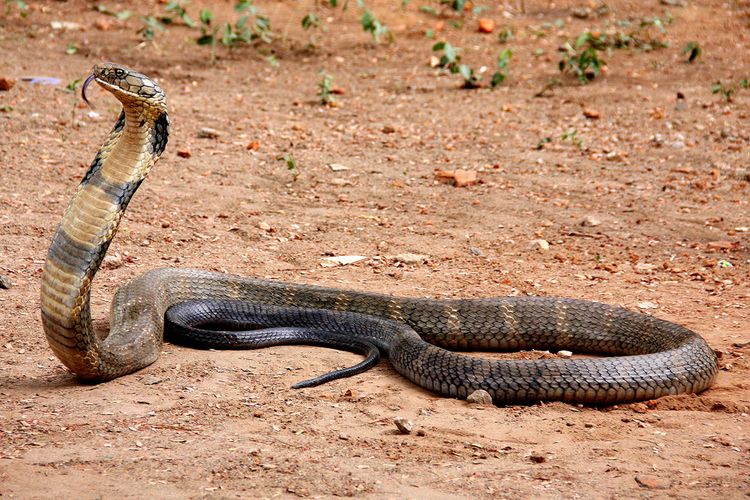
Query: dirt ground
(644, 206)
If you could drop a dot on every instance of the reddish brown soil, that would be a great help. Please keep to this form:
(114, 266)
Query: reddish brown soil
(668, 183)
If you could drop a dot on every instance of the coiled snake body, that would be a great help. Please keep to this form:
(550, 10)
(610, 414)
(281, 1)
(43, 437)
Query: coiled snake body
(649, 357)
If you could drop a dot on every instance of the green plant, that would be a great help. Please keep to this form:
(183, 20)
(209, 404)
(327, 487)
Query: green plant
(581, 58)
(727, 91)
(20, 4)
(502, 68)
(120, 16)
(571, 136)
(372, 25)
(71, 49)
(693, 49)
(291, 164)
(177, 8)
(311, 20)
(504, 35)
(542, 141)
(150, 26)
(451, 61)
(325, 89)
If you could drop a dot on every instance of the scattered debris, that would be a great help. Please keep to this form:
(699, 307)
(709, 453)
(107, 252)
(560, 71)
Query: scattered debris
(184, 153)
(208, 133)
(341, 260)
(403, 424)
(337, 167)
(537, 459)
(590, 221)
(653, 483)
(591, 114)
(647, 305)
(253, 146)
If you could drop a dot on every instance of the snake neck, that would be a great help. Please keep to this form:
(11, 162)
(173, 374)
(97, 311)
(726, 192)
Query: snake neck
(86, 230)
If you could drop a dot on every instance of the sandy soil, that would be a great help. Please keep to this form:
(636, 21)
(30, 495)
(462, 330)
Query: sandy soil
(665, 178)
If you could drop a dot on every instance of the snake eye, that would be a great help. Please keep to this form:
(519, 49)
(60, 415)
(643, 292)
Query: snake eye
(119, 73)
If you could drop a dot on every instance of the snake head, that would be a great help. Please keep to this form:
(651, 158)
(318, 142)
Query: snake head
(127, 85)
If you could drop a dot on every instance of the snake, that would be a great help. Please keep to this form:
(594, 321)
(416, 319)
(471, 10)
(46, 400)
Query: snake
(625, 356)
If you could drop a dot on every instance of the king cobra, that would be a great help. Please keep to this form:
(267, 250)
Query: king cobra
(638, 356)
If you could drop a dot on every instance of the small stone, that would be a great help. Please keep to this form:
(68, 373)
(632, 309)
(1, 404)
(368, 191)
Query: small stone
(476, 251)
(403, 424)
(337, 167)
(344, 436)
(5, 282)
(591, 114)
(208, 133)
(581, 12)
(588, 425)
(411, 258)
(103, 24)
(341, 260)
(112, 261)
(537, 459)
(265, 226)
(6, 83)
(421, 433)
(486, 25)
(565, 354)
(151, 380)
(388, 129)
(463, 178)
(539, 245)
(184, 153)
(590, 221)
(479, 397)
(647, 305)
(253, 146)
(653, 483)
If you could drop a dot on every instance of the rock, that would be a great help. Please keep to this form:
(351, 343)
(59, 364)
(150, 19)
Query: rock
(537, 459)
(403, 424)
(479, 397)
(463, 178)
(581, 12)
(647, 305)
(337, 167)
(103, 24)
(565, 354)
(411, 258)
(590, 221)
(486, 25)
(421, 432)
(184, 153)
(344, 436)
(5, 282)
(591, 114)
(151, 380)
(539, 245)
(208, 133)
(6, 83)
(653, 483)
(66, 25)
(476, 251)
(341, 260)
(112, 261)
(388, 129)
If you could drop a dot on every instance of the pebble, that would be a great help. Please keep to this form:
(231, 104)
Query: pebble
(403, 424)
(208, 133)
(486, 25)
(479, 397)
(184, 153)
(565, 354)
(653, 483)
(590, 221)
(539, 245)
(463, 178)
(337, 167)
(6, 83)
(476, 251)
(5, 282)
(591, 114)
(151, 380)
(112, 261)
(411, 258)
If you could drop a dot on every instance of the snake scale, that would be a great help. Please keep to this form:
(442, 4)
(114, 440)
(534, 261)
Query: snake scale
(645, 357)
